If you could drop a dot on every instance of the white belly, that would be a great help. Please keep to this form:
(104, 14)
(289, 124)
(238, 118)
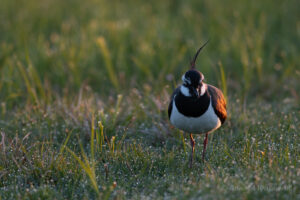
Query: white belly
(207, 122)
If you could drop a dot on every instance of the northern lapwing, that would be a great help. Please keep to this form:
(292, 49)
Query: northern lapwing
(197, 107)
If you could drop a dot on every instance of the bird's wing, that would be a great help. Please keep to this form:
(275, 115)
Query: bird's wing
(218, 102)
(176, 91)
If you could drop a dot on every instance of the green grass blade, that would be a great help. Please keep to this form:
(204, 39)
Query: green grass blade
(88, 170)
(108, 63)
(223, 80)
(92, 141)
(30, 88)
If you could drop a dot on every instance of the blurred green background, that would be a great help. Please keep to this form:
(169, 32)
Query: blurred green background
(66, 65)
(112, 46)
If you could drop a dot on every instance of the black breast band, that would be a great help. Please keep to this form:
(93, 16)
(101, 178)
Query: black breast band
(190, 106)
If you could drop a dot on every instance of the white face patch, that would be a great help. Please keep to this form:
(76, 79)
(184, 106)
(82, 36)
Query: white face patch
(203, 89)
(201, 78)
(185, 80)
(185, 91)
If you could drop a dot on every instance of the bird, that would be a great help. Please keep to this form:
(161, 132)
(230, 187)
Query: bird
(197, 107)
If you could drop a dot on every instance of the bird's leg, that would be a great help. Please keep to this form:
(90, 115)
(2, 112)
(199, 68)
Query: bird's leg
(204, 146)
(193, 150)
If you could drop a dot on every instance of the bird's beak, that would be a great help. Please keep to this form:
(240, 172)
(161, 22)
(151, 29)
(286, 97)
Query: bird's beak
(195, 92)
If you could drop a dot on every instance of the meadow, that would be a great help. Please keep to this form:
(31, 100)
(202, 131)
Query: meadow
(85, 86)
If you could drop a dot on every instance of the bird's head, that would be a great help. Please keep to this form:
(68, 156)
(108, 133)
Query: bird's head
(193, 85)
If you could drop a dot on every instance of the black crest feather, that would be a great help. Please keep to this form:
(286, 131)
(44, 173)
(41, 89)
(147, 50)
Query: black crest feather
(193, 62)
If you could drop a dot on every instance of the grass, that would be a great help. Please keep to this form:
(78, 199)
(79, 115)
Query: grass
(85, 85)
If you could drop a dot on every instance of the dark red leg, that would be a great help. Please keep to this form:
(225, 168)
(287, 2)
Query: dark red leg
(204, 146)
(193, 150)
